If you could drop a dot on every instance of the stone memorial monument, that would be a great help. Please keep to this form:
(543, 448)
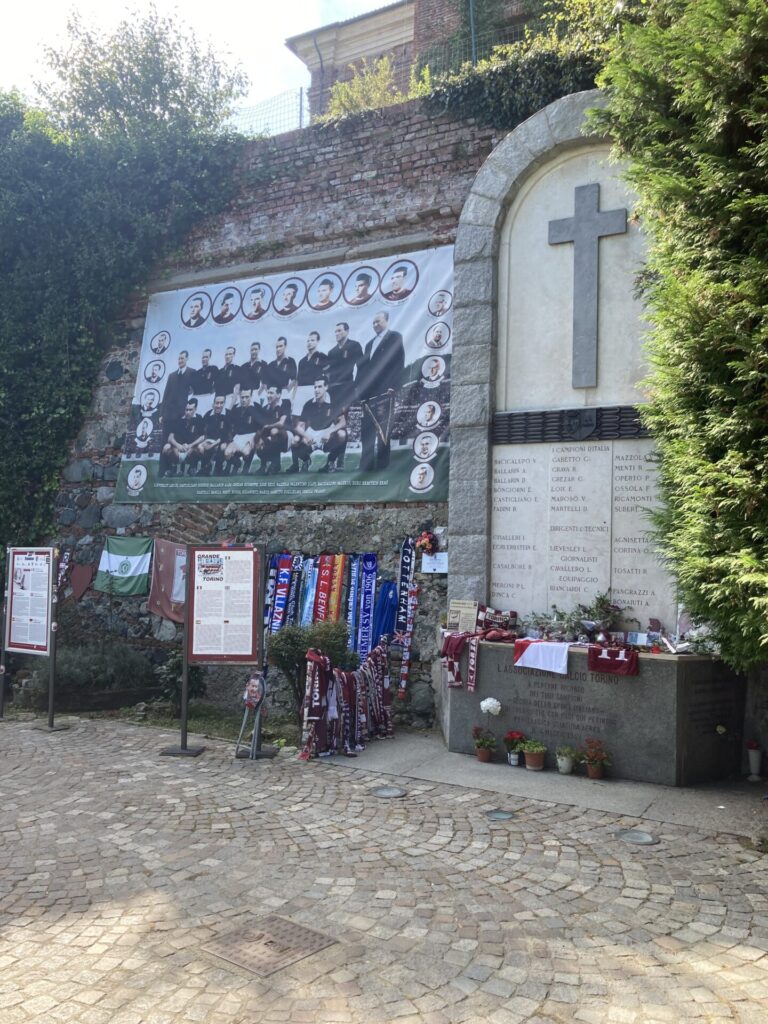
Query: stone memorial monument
(552, 473)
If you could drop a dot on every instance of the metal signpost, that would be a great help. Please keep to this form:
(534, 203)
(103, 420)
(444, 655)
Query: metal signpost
(222, 617)
(29, 613)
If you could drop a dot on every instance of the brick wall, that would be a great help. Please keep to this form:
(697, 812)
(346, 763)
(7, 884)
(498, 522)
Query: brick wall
(382, 173)
(388, 180)
(434, 21)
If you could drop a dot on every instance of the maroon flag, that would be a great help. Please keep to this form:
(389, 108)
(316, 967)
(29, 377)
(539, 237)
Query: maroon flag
(169, 580)
(620, 661)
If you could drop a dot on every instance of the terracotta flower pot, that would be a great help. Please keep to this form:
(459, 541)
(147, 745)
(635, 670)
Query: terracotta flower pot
(595, 771)
(483, 754)
(534, 761)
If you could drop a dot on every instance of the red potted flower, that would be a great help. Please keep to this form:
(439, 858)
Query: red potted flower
(594, 755)
(513, 741)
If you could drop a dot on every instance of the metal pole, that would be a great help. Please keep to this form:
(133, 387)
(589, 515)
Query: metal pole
(184, 688)
(301, 106)
(2, 638)
(54, 629)
(473, 30)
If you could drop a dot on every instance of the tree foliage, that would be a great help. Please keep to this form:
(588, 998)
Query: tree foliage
(122, 158)
(566, 45)
(689, 109)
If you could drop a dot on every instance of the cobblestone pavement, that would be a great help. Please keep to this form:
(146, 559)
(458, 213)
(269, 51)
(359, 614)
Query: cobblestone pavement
(117, 866)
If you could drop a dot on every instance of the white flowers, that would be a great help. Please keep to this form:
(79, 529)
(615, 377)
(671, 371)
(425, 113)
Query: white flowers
(490, 706)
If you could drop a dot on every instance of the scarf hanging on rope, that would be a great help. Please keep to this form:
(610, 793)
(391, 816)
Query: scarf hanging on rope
(337, 585)
(282, 587)
(368, 590)
(407, 569)
(308, 604)
(306, 578)
(352, 601)
(385, 612)
(405, 665)
(269, 595)
(450, 656)
(292, 607)
(315, 699)
(323, 593)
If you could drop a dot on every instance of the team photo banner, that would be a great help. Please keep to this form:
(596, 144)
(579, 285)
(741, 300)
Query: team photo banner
(329, 385)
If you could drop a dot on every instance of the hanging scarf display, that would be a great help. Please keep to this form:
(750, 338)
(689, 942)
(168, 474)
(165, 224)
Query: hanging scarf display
(368, 590)
(337, 585)
(385, 612)
(269, 591)
(323, 594)
(407, 569)
(405, 665)
(294, 593)
(315, 702)
(353, 597)
(308, 604)
(282, 587)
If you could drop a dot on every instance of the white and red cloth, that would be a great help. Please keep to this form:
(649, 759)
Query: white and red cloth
(546, 655)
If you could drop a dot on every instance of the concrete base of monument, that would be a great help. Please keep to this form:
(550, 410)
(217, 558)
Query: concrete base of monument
(677, 723)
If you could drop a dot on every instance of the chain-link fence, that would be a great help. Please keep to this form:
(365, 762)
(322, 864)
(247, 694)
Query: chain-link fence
(290, 110)
(282, 113)
(449, 56)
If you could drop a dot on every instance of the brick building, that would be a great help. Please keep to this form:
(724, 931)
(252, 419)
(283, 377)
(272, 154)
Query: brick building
(435, 31)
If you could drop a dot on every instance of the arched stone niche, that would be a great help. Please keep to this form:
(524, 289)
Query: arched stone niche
(554, 527)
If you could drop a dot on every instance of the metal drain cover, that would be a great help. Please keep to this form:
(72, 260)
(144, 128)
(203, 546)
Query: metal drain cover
(388, 792)
(497, 814)
(637, 837)
(269, 945)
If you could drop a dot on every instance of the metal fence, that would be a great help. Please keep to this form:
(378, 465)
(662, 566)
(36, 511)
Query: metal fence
(274, 116)
(290, 109)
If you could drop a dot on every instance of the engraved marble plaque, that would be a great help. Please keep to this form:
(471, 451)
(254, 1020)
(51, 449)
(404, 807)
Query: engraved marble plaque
(571, 521)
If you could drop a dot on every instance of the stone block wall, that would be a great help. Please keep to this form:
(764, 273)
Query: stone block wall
(386, 182)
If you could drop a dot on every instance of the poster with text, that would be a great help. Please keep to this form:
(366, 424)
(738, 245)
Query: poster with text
(325, 385)
(224, 597)
(28, 615)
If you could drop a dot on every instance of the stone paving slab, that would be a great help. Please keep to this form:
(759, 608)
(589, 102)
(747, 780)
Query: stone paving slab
(734, 807)
(118, 866)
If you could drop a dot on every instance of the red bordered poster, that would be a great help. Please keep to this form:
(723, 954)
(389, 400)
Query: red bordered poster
(224, 604)
(28, 615)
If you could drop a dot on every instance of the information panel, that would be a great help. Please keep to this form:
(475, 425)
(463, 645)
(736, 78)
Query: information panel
(224, 605)
(28, 616)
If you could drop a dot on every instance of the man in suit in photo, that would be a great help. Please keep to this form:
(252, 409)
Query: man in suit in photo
(196, 317)
(178, 388)
(379, 375)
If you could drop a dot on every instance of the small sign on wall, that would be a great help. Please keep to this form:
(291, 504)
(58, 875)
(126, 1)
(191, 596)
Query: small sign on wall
(435, 563)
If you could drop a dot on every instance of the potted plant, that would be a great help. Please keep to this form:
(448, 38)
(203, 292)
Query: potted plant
(534, 755)
(512, 741)
(594, 755)
(485, 742)
(755, 755)
(566, 758)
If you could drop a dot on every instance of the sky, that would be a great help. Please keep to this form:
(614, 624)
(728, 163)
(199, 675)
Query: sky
(251, 34)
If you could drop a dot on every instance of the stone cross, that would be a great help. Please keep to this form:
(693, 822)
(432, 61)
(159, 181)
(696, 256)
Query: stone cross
(585, 229)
